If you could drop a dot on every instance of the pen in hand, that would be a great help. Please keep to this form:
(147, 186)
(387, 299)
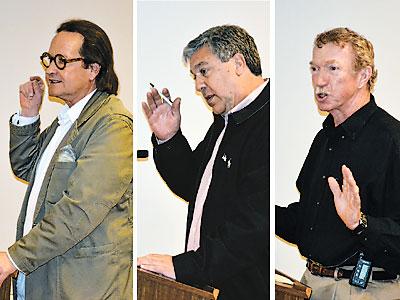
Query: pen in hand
(165, 99)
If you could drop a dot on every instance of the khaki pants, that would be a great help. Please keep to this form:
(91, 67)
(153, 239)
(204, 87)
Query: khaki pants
(327, 288)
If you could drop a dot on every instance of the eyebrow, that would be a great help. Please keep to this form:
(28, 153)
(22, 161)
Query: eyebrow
(332, 61)
(197, 66)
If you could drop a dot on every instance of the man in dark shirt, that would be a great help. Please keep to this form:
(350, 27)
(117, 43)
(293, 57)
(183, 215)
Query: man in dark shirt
(225, 179)
(343, 213)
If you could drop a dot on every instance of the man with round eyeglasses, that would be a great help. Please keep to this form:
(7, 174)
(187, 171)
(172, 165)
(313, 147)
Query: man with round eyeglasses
(74, 232)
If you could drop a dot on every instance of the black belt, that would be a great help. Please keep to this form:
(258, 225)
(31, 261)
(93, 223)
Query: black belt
(340, 273)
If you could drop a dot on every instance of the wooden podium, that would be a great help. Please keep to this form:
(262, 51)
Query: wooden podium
(156, 287)
(290, 289)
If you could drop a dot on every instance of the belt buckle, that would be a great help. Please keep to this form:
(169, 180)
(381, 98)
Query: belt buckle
(316, 268)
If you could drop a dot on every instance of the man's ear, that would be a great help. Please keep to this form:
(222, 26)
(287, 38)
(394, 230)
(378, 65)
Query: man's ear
(365, 75)
(240, 63)
(94, 70)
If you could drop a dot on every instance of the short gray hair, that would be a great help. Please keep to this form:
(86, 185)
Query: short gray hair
(225, 41)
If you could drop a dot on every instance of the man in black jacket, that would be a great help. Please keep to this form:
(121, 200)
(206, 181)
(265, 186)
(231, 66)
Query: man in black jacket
(226, 178)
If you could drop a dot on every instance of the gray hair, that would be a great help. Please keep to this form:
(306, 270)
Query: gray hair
(225, 41)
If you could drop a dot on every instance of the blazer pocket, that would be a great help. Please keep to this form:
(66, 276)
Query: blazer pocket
(97, 267)
(93, 251)
(58, 181)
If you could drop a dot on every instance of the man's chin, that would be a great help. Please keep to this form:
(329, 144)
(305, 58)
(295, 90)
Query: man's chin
(218, 111)
(323, 106)
(53, 92)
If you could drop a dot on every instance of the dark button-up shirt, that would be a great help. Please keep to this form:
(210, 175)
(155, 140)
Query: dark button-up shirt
(368, 142)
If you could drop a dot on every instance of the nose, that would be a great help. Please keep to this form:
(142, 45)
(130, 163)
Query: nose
(199, 84)
(320, 78)
(52, 68)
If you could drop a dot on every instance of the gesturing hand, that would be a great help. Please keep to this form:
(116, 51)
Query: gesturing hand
(347, 200)
(31, 96)
(159, 263)
(164, 120)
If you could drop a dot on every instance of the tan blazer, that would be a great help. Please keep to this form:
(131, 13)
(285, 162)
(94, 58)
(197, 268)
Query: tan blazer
(80, 246)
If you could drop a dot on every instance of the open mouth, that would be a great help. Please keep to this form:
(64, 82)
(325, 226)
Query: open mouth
(321, 96)
(54, 81)
(209, 98)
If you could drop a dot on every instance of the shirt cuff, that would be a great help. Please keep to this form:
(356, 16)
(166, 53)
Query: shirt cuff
(12, 261)
(19, 120)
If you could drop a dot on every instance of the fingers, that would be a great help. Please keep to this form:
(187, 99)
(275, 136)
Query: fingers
(154, 100)
(146, 109)
(26, 90)
(176, 106)
(158, 263)
(37, 84)
(334, 186)
(144, 260)
(347, 199)
(155, 97)
(34, 86)
(150, 259)
(166, 93)
(349, 180)
(352, 191)
(35, 78)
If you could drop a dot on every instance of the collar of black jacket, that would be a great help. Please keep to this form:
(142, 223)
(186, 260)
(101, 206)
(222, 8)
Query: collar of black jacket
(356, 121)
(251, 109)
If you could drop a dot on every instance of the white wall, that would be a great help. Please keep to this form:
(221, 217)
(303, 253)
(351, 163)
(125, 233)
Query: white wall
(26, 29)
(164, 28)
(297, 119)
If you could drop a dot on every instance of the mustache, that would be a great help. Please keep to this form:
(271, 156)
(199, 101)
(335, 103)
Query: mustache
(319, 90)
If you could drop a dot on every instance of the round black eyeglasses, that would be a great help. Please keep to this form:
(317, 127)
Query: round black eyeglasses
(59, 59)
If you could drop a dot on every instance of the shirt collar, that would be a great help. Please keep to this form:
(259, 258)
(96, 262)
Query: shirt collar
(356, 121)
(246, 101)
(70, 114)
(261, 98)
(250, 98)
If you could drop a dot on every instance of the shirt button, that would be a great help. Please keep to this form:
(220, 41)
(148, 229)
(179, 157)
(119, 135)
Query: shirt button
(323, 176)
(365, 239)
(330, 149)
(342, 136)
(385, 251)
(311, 228)
(318, 203)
